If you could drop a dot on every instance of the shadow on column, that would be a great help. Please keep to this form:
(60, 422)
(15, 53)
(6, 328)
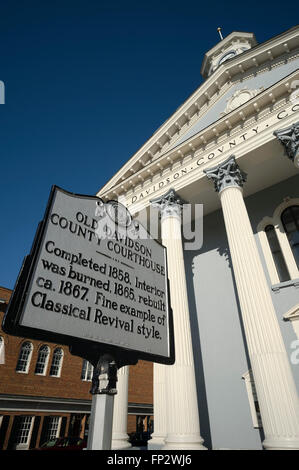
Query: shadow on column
(214, 239)
(225, 252)
(205, 430)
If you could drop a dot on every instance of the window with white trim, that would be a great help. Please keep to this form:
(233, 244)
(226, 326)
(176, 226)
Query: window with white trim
(281, 267)
(24, 358)
(2, 351)
(42, 360)
(53, 429)
(252, 398)
(24, 431)
(279, 237)
(290, 222)
(56, 366)
(87, 371)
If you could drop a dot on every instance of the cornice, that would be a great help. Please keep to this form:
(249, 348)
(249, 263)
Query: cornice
(265, 54)
(189, 172)
(247, 115)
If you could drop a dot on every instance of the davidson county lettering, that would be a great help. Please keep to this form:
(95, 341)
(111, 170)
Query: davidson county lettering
(206, 157)
(116, 285)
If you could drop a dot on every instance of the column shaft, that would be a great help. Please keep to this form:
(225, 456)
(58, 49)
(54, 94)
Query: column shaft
(120, 413)
(158, 437)
(183, 429)
(277, 395)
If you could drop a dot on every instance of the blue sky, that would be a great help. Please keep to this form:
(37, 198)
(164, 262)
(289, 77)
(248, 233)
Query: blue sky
(88, 82)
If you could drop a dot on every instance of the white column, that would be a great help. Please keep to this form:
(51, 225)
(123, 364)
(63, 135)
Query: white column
(276, 391)
(182, 422)
(120, 414)
(158, 437)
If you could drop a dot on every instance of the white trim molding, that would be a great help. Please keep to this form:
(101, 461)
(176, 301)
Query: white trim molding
(283, 241)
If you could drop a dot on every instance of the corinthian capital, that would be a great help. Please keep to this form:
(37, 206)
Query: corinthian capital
(289, 138)
(226, 174)
(170, 204)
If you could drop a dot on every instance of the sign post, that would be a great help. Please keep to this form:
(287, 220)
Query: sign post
(96, 281)
(101, 418)
(103, 391)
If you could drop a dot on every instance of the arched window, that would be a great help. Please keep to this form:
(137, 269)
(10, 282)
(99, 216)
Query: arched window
(24, 357)
(55, 370)
(278, 258)
(290, 221)
(87, 371)
(42, 360)
(279, 237)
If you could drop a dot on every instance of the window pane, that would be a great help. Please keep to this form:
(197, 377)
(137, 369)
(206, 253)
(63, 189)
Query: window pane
(87, 370)
(2, 355)
(277, 254)
(290, 220)
(24, 430)
(53, 428)
(42, 360)
(56, 362)
(24, 357)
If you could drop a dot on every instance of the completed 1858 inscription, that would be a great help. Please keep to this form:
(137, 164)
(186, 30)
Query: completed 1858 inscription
(96, 275)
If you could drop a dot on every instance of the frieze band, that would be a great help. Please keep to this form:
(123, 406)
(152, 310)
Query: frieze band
(195, 164)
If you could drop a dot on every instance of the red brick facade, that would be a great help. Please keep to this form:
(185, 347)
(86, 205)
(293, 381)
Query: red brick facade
(41, 396)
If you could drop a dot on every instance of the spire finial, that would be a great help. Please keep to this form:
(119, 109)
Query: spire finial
(220, 34)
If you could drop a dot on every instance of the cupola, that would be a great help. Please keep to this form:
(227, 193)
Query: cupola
(234, 44)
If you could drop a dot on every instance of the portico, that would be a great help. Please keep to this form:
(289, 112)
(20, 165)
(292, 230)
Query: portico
(224, 305)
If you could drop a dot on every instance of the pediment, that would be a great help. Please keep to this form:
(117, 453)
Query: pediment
(231, 86)
(236, 95)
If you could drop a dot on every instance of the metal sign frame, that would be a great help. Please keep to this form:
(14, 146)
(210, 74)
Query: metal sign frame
(88, 349)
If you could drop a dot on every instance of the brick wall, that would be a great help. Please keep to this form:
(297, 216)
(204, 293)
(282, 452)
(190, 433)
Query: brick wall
(69, 384)
(141, 383)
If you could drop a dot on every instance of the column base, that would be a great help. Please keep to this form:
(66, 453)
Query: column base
(184, 442)
(120, 441)
(281, 444)
(156, 442)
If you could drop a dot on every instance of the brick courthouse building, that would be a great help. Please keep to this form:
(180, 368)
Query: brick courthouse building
(44, 392)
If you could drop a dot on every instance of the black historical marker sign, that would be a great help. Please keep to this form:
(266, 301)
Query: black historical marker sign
(96, 281)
